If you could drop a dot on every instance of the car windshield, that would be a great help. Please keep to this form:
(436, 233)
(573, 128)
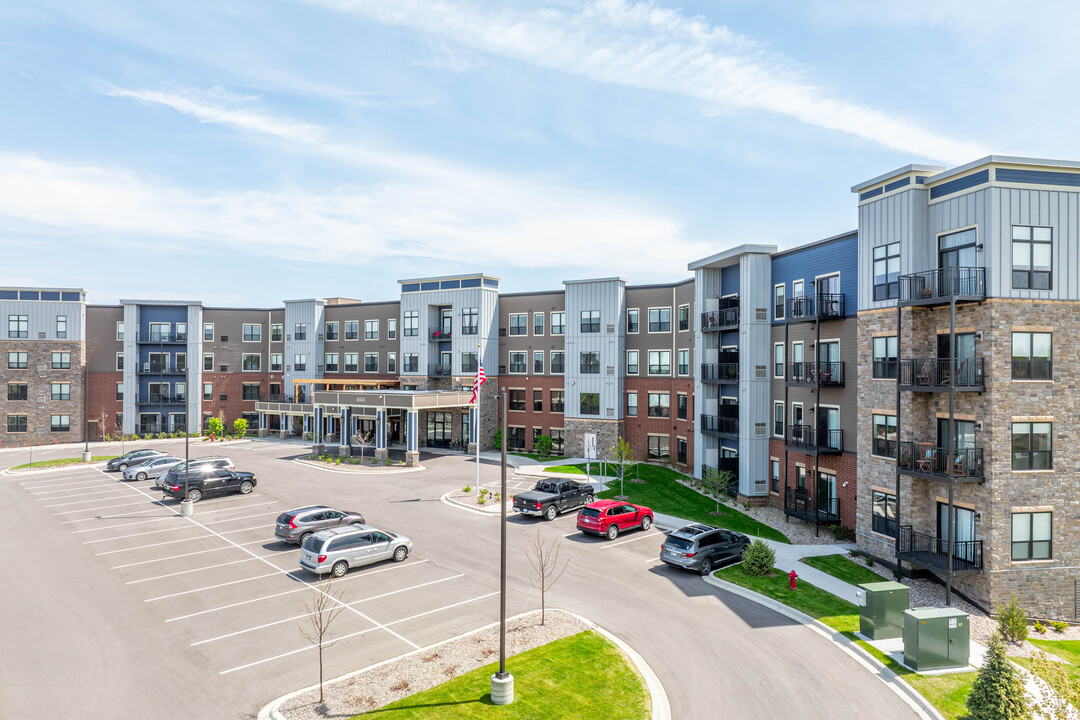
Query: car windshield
(547, 487)
(312, 544)
(590, 512)
(679, 543)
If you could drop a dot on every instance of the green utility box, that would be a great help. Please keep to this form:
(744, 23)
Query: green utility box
(936, 638)
(881, 609)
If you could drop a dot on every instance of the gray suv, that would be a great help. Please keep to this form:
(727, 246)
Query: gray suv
(336, 550)
(701, 547)
(294, 526)
(198, 465)
(152, 468)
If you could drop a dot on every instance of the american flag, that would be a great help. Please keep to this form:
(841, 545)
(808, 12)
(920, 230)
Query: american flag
(477, 382)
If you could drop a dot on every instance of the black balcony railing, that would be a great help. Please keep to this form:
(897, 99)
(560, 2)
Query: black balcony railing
(156, 399)
(726, 318)
(928, 460)
(161, 337)
(434, 370)
(933, 552)
(822, 511)
(929, 373)
(824, 374)
(939, 286)
(719, 425)
(161, 369)
(438, 335)
(720, 372)
(822, 306)
(149, 429)
(276, 398)
(728, 465)
(807, 438)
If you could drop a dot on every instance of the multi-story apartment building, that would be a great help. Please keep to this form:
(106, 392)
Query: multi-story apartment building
(968, 300)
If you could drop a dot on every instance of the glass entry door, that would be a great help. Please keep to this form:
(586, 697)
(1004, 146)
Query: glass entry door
(439, 425)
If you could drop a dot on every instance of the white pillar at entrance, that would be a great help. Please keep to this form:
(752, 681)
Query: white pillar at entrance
(380, 434)
(412, 448)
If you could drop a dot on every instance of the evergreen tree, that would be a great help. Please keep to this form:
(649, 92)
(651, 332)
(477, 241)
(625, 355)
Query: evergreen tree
(997, 693)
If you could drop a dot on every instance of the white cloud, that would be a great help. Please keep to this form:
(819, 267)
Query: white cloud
(642, 45)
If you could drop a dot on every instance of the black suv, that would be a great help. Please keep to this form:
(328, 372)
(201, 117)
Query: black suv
(701, 547)
(212, 482)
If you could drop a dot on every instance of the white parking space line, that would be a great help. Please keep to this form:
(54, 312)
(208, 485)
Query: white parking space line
(66, 485)
(185, 526)
(199, 569)
(70, 493)
(301, 617)
(201, 514)
(174, 557)
(219, 585)
(143, 547)
(171, 517)
(96, 507)
(640, 537)
(55, 476)
(360, 632)
(357, 576)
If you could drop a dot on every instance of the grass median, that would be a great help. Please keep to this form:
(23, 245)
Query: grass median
(583, 675)
(63, 461)
(1067, 650)
(844, 568)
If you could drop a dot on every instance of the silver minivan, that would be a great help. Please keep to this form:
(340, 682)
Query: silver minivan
(152, 468)
(336, 550)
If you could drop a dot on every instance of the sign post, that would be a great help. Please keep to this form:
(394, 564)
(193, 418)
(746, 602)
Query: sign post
(590, 453)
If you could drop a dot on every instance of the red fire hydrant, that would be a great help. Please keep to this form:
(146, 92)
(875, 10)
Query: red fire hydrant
(792, 577)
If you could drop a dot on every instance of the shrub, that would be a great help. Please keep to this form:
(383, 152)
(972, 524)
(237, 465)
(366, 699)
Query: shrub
(841, 533)
(467, 488)
(1039, 627)
(498, 439)
(215, 426)
(998, 692)
(758, 559)
(240, 427)
(542, 445)
(869, 561)
(1012, 621)
(1059, 626)
(483, 492)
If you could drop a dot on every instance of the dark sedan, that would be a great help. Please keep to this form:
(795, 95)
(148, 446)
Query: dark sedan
(214, 482)
(135, 457)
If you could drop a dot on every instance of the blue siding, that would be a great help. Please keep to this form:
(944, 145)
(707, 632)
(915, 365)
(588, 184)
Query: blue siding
(840, 255)
(898, 184)
(171, 314)
(1037, 177)
(959, 184)
(870, 194)
(729, 280)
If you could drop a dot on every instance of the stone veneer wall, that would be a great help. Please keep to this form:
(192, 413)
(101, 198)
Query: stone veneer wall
(39, 405)
(607, 432)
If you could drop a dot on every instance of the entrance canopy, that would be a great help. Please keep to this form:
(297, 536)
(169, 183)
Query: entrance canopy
(333, 400)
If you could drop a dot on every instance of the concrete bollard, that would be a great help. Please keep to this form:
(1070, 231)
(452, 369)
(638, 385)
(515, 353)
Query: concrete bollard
(502, 689)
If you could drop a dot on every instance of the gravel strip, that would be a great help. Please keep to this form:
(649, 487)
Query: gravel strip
(426, 668)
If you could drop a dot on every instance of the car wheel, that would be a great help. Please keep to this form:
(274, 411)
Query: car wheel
(194, 495)
(589, 499)
(612, 532)
(401, 553)
(550, 513)
(340, 568)
(122, 467)
(245, 487)
(646, 522)
(706, 567)
(140, 476)
(304, 537)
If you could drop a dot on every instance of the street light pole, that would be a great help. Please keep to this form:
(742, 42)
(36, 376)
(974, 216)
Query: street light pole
(86, 413)
(187, 508)
(502, 682)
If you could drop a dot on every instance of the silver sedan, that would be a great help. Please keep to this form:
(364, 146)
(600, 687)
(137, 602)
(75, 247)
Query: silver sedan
(152, 468)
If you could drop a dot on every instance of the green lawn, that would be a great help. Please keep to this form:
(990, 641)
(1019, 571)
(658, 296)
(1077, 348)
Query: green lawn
(534, 456)
(844, 568)
(63, 461)
(583, 675)
(1068, 650)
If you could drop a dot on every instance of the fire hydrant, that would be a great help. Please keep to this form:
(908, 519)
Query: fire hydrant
(792, 577)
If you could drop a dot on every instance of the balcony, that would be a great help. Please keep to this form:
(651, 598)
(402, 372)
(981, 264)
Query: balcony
(932, 553)
(162, 338)
(929, 462)
(942, 286)
(725, 464)
(941, 374)
(821, 307)
(725, 318)
(815, 374)
(438, 370)
(276, 398)
(161, 369)
(441, 336)
(155, 399)
(813, 441)
(720, 425)
(798, 504)
(721, 372)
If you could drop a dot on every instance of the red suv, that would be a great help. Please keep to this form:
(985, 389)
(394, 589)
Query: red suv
(609, 517)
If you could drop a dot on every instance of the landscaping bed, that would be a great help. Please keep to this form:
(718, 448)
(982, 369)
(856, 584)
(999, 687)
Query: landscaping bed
(63, 461)
(844, 569)
(469, 497)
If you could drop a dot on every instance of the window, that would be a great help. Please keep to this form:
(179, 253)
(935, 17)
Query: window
(208, 332)
(800, 477)
(590, 403)
(590, 321)
(557, 400)
(60, 423)
(885, 357)
(275, 362)
(251, 391)
(684, 362)
(658, 446)
(18, 326)
(558, 323)
(659, 405)
(469, 322)
(538, 323)
(61, 391)
(391, 363)
(659, 362)
(887, 271)
(1032, 447)
(18, 360)
(517, 399)
(684, 318)
(538, 401)
(119, 361)
(208, 391)
(1032, 536)
(181, 392)
(1031, 356)
(778, 302)
(253, 332)
(631, 362)
(632, 320)
(631, 404)
(119, 330)
(16, 423)
(659, 320)
(538, 362)
(61, 327)
(680, 444)
(558, 362)
(331, 330)
(300, 331)
(208, 361)
(61, 361)
(774, 475)
(300, 363)
(590, 363)
(778, 360)
(517, 362)
(371, 329)
(275, 332)
(1031, 258)
(371, 362)
(331, 362)
(412, 362)
(778, 418)
(17, 391)
(252, 362)
(516, 438)
(181, 332)
(681, 406)
(885, 438)
(797, 289)
(519, 324)
(883, 520)
(468, 362)
(391, 329)
(557, 441)
(352, 329)
(410, 327)
(181, 362)
(796, 413)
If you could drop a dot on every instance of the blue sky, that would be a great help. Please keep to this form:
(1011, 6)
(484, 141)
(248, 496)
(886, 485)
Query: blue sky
(244, 152)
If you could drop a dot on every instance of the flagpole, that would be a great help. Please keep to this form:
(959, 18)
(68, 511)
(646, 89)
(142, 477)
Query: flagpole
(480, 356)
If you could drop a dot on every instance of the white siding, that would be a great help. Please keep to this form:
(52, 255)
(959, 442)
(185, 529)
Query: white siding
(609, 297)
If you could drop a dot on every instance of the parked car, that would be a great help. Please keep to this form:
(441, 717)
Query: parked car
(131, 458)
(200, 464)
(152, 468)
(337, 549)
(551, 497)
(211, 482)
(294, 526)
(701, 547)
(610, 517)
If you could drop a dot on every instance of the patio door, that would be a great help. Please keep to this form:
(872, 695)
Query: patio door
(965, 434)
(828, 427)
(963, 530)
(447, 324)
(826, 493)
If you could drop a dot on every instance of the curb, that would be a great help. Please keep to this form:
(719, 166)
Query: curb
(661, 709)
(907, 693)
(324, 466)
(54, 468)
(493, 512)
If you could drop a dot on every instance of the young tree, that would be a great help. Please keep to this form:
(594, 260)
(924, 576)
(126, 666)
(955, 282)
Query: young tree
(544, 563)
(215, 426)
(715, 483)
(322, 609)
(240, 427)
(363, 439)
(997, 693)
(542, 445)
(622, 455)
(1060, 694)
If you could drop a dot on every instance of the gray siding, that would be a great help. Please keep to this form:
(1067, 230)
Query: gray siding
(755, 276)
(41, 317)
(609, 297)
(383, 345)
(487, 302)
(194, 365)
(101, 342)
(311, 312)
(899, 217)
(131, 366)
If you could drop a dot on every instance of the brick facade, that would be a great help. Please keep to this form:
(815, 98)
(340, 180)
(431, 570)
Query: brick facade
(638, 428)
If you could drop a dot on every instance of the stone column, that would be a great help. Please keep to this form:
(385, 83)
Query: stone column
(381, 452)
(412, 449)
